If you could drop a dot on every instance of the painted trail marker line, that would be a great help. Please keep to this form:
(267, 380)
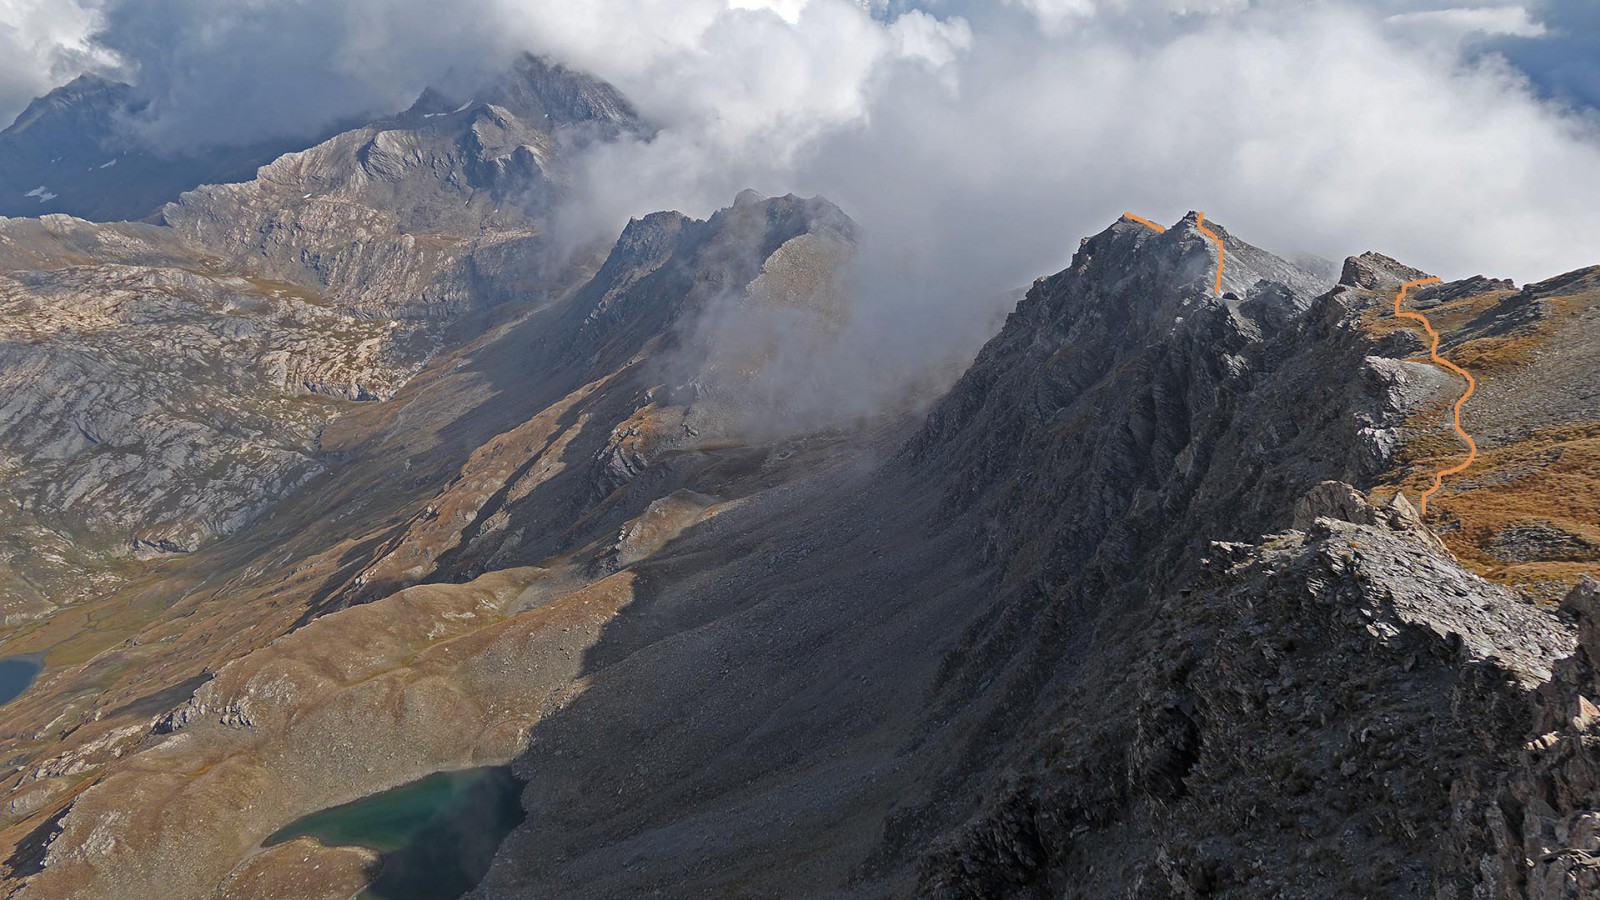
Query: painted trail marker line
(1200, 223)
(1472, 386)
(1145, 222)
(1399, 300)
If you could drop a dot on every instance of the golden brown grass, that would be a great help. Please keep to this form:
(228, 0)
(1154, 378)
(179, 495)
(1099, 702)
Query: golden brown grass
(1379, 321)
(1551, 478)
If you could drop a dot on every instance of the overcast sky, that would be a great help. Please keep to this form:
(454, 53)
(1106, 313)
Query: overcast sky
(976, 140)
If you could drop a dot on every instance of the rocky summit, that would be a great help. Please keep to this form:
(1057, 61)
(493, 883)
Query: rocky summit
(319, 483)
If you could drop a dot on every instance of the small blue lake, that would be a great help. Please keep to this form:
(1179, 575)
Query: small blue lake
(436, 835)
(16, 675)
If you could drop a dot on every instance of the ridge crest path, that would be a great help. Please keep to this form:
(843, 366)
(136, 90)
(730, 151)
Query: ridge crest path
(1472, 387)
(1433, 351)
(1200, 223)
(1222, 254)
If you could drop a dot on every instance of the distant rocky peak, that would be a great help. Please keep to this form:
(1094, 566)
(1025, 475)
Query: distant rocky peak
(86, 95)
(1376, 272)
(767, 223)
(1138, 280)
(77, 150)
(546, 95)
(714, 257)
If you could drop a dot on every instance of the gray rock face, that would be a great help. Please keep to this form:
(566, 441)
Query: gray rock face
(1337, 500)
(1071, 663)
(419, 216)
(1530, 828)
(1302, 725)
(164, 386)
(1376, 272)
(1176, 412)
(148, 410)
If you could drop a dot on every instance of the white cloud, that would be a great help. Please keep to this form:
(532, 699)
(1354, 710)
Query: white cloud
(1514, 21)
(789, 10)
(976, 166)
(1053, 14)
(1326, 130)
(975, 146)
(44, 44)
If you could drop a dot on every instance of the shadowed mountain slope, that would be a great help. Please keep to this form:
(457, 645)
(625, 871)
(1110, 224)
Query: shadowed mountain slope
(969, 672)
(1133, 610)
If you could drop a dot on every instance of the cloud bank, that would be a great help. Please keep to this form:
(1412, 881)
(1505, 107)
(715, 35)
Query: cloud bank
(974, 141)
(985, 141)
(44, 44)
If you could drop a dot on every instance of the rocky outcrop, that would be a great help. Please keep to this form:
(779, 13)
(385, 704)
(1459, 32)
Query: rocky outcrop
(1306, 722)
(1337, 500)
(1527, 828)
(148, 410)
(423, 215)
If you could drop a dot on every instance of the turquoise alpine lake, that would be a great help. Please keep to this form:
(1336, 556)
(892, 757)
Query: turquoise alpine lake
(436, 835)
(16, 675)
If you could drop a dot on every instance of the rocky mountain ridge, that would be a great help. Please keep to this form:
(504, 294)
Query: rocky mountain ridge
(1139, 608)
(215, 346)
(992, 589)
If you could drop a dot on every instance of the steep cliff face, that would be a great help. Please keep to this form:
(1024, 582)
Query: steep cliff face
(1123, 418)
(1334, 711)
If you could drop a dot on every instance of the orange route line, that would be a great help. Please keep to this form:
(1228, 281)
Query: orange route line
(1145, 222)
(1472, 386)
(1200, 223)
(1433, 351)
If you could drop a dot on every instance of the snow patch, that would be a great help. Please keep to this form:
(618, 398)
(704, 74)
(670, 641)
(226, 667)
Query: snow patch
(42, 192)
(109, 164)
(462, 108)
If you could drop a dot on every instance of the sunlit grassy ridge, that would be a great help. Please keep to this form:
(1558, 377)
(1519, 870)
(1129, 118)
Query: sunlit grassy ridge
(1528, 511)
